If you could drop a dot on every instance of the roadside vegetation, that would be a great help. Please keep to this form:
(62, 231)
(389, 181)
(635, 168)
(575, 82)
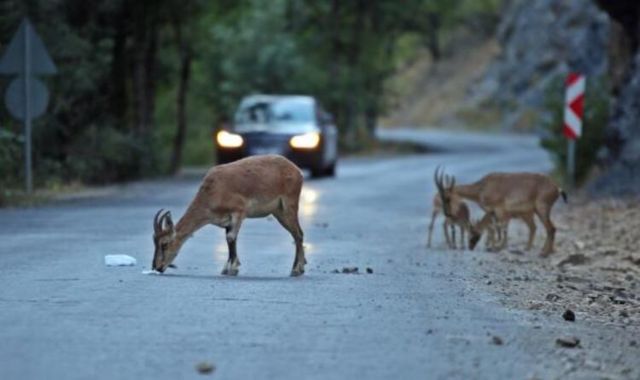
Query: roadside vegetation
(590, 144)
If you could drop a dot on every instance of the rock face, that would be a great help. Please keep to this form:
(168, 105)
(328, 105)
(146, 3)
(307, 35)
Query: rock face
(541, 41)
(623, 134)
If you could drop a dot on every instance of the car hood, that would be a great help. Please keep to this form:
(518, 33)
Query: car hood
(280, 128)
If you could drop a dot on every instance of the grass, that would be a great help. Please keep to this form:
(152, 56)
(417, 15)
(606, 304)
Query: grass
(19, 198)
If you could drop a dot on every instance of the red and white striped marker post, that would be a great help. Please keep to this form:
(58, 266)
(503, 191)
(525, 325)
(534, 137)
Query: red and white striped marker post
(573, 112)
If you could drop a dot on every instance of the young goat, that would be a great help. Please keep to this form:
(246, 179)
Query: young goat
(253, 187)
(497, 230)
(505, 194)
(460, 216)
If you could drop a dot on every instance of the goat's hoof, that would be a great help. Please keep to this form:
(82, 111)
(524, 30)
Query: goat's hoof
(545, 253)
(229, 272)
(297, 272)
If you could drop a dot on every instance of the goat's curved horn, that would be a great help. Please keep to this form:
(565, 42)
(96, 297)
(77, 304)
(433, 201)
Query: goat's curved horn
(437, 178)
(163, 218)
(442, 180)
(168, 220)
(156, 221)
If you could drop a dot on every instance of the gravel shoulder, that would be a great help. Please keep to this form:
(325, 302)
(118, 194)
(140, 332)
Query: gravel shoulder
(593, 273)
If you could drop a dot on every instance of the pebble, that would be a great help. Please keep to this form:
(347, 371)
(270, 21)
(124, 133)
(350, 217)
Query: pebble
(369, 270)
(497, 340)
(569, 315)
(205, 368)
(568, 342)
(552, 297)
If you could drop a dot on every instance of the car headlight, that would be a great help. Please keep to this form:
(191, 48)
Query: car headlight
(307, 141)
(229, 140)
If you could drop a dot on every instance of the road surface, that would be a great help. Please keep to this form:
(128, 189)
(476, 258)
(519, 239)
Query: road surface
(420, 314)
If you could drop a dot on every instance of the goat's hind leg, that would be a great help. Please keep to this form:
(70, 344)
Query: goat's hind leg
(543, 213)
(288, 218)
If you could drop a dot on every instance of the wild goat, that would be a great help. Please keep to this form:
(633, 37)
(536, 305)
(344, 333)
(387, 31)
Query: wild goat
(460, 218)
(253, 187)
(505, 194)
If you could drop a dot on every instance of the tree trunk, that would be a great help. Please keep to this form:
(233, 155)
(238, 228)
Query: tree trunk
(433, 36)
(119, 96)
(181, 106)
(145, 44)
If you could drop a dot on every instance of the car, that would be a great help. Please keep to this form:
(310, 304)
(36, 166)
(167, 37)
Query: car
(294, 126)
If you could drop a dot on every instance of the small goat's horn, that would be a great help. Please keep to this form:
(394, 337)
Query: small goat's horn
(156, 221)
(163, 218)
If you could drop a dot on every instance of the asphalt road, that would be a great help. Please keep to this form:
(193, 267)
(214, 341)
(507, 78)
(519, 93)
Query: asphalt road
(65, 315)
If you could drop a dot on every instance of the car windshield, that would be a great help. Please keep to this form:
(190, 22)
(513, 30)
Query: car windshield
(277, 112)
(292, 111)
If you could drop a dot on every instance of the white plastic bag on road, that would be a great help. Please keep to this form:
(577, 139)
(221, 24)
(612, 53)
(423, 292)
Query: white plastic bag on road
(119, 261)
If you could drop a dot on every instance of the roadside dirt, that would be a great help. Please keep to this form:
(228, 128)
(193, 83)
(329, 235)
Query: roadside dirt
(594, 271)
(591, 280)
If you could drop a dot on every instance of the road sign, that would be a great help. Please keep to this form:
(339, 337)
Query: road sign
(573, 113)
(13, 60)
(26, 96)
(574, 105)
(15, 100)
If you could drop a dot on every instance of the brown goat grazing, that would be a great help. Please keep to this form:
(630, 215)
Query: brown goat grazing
(253, 187)
(505, 194)
(461, 218)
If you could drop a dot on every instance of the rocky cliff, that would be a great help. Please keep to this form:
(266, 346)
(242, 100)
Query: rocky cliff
(541, 41)
(623, 133)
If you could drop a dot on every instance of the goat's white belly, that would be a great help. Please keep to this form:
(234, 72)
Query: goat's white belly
(262, 209)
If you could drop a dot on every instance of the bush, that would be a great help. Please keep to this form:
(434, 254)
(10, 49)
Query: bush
(11, 163)
(104, 154)
(596, 116)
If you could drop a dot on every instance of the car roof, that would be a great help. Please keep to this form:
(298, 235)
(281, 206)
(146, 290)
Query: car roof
(264, 98)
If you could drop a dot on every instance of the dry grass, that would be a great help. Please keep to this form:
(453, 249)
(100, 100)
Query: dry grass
(433, 94)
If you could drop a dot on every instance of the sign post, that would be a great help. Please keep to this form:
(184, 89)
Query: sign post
(573, 113)
(26, 97)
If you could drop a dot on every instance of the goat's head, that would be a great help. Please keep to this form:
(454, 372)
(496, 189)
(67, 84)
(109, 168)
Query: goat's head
(445, 185)
(474, 237)
(474, 234)
(163, 239)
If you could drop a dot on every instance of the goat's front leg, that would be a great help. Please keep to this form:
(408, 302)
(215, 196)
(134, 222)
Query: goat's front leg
(453, 236)
(233, 263)
(462, 241)
(504, 232)
(445, 227)
(528, 219)
(433, 219)
(493, 238)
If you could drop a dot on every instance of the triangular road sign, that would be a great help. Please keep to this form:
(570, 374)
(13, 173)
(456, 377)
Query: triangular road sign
(13, 61)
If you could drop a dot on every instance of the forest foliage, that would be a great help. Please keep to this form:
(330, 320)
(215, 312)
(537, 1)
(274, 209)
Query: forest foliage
(141, 84)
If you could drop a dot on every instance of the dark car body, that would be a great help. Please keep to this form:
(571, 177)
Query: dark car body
(293, 126)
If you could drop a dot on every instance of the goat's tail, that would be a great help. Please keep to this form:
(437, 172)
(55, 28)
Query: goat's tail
(564, 195)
